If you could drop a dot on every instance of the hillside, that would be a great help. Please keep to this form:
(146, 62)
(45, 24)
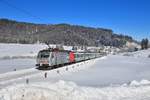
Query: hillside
(22, 32)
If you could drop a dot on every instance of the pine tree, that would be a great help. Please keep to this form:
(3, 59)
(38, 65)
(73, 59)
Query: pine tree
(144, 44)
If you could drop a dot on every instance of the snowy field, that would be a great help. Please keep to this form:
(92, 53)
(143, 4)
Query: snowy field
(112, 77)
(16, 51)
(20, 56)
(141, 54)
(13, 51)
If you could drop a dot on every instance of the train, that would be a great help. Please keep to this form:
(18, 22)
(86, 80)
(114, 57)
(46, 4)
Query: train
(52, 58)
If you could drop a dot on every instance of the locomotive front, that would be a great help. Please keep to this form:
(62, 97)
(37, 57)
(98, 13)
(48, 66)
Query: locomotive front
(43, 58)
(50, 58)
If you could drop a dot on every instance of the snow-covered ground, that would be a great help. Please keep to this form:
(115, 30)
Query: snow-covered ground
(141, 53)
(20, 56)
(62, 90)
(9, 65)
(113, 77)
(8, 51)
(16, 51)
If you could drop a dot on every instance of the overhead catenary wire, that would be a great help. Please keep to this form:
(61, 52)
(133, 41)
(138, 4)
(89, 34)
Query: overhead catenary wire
(23, 11)
(20, 9)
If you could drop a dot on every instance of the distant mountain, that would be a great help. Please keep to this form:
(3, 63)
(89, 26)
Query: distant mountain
(21, 32)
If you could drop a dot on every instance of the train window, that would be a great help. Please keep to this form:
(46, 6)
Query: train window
(43, 54)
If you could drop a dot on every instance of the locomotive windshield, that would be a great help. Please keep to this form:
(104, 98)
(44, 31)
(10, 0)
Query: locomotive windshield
(43, 54)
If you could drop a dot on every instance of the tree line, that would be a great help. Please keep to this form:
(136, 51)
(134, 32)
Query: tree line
(66, 34)
(144, 43)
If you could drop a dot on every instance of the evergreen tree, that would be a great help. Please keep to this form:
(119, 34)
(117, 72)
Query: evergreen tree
(144, 44)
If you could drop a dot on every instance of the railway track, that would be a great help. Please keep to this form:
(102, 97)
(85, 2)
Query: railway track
(12, 77)
(8, 77)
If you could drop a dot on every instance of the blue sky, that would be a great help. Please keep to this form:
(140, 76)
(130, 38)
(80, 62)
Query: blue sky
(131, 17)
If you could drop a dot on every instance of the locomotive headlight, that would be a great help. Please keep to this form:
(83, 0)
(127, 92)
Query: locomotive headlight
(41, 64)
(44, 62)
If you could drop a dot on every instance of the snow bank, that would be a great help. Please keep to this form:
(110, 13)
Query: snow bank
(63, 90)
(136, 83)
(141, 53)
